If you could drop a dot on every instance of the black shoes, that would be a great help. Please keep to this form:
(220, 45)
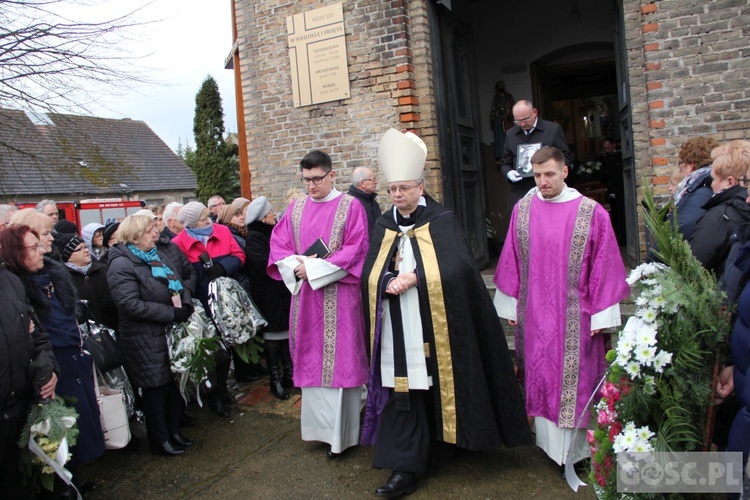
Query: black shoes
(331, 455)
(220, 408)
(399, 484)
(180, 440)
(167, 449)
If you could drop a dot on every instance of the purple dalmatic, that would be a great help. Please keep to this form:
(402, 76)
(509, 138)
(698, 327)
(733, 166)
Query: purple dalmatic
(562, 264)
(326, 337)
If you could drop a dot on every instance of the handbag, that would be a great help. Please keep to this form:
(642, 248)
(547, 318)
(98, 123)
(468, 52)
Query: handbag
(101, 343)
(113, 415)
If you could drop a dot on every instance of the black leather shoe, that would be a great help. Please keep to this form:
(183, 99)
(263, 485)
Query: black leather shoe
(331, 455)
(180, 440)
(219, 408)
(167, 449)
(399, 484)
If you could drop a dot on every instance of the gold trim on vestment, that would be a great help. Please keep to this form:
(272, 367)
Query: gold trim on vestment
(297, 209)
(444, 360)
(572, 349)
(373, 282)
(401, 384)
(426, 350)
(522, 234)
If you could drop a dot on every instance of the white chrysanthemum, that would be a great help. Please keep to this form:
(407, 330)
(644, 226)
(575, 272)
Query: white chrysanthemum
(633, 369)
(661, 360)
(634, 277)
(641, 447)
(649, 385)
(642, 301)
(625, 347)
(659, 302)
(644, 434)
(646, 335)
(622, 360)
(645, 354)
(648, 314)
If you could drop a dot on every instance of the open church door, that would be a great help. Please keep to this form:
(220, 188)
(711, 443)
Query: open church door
(458, 130)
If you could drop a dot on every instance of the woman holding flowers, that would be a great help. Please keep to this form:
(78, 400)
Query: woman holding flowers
(149, 294)
(53, 297)
(22, 346)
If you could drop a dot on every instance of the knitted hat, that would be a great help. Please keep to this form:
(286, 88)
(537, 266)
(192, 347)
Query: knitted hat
(65, 226)
(88, 232)
(67, 243)
(227, 212)
(401, 157)
(146, 212)
(109, 231)
(257, 209)
(240, 202)
(190, 213)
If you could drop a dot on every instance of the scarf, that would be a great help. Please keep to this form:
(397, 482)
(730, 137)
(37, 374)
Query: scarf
(158, 269)
(688, 181)
(80, 269)
(202, 234)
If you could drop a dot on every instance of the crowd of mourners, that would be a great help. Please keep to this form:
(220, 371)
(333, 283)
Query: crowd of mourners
(140, 275)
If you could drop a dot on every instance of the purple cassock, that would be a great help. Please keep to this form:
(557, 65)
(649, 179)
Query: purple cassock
(562, 263)
(326, 326)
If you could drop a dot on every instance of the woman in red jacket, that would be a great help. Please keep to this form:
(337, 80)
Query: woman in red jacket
(213, 252)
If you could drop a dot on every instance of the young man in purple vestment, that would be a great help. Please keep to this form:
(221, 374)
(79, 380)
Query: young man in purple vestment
(559, 281)
(326, 338)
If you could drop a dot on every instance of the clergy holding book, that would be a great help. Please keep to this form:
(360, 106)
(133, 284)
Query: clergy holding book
(441, 376)
(559, 280)
(326, 323)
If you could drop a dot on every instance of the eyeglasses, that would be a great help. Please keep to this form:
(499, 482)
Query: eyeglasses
(743, 181)
(314, 180)
(524, 119)
(39, 247)
(680, 164)
(403, 189)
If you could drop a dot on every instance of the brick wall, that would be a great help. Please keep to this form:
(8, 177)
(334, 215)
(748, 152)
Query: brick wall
(391, 85)
(689, 65)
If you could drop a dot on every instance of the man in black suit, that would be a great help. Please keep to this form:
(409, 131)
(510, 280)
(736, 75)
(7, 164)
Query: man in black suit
(529, 134)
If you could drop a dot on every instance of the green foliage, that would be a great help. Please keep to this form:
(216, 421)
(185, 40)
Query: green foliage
(214, 162)
(250, 351)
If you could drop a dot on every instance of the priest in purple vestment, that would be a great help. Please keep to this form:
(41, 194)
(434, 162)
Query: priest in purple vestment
(326, 337)
(559, 280)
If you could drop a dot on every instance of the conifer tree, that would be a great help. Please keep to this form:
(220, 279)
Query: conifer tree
(214, 161)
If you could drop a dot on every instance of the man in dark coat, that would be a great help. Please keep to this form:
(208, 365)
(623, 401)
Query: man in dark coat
(529, 134)
(441, 375)
(363, 188)
(19, 351)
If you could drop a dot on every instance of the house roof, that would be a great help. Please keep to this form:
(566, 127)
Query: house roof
(57, 153)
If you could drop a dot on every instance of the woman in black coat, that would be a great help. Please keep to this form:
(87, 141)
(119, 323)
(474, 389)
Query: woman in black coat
(271, 296)
(19, 350)
(51, 294)
(89, 278)
(147, 289)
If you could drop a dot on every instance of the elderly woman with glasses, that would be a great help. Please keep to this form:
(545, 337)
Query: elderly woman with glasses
(89, 278)
(53, 297)
(149, 294)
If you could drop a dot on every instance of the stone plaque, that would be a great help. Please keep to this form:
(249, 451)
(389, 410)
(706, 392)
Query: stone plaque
(317, 53)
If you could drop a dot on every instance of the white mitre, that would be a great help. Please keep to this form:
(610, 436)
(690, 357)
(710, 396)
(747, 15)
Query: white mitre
(401, 156)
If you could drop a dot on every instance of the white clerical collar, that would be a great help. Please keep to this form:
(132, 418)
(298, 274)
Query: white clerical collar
(567, 194)
(335, 193)
(532, 128)
(422, 203)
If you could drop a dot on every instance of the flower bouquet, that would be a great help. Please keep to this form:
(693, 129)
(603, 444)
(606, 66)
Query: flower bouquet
(658, 385)
(49, 433)
(236, 317)
(590, 170)
(191, 348)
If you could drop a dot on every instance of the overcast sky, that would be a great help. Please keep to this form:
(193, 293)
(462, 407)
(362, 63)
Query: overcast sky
(190, 41)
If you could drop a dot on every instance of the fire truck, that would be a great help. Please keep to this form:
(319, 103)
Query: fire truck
(101, 210)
